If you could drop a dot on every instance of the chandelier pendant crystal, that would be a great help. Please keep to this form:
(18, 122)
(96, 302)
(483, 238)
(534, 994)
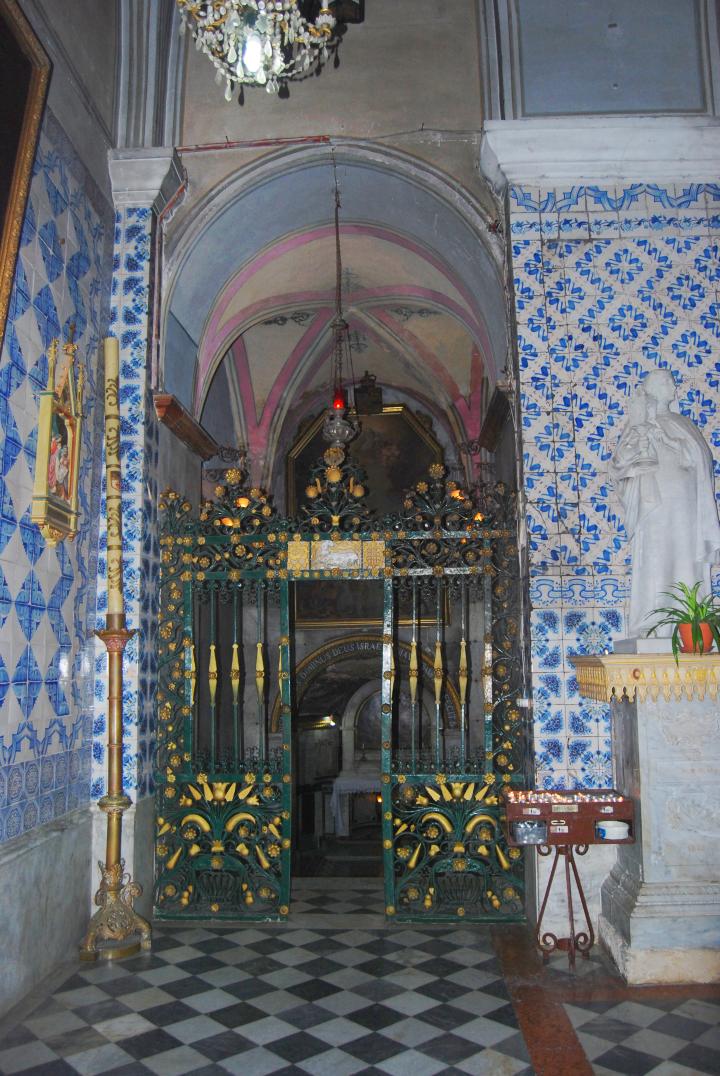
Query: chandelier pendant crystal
(261, 42)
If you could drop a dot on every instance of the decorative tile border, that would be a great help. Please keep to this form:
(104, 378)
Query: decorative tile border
(638, 196)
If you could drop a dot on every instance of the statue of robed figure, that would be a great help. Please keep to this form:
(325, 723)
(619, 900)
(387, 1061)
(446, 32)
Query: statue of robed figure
(663, 472)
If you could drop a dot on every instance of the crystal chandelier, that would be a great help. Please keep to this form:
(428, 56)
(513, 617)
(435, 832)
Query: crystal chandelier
(338, 428)
(261, 42)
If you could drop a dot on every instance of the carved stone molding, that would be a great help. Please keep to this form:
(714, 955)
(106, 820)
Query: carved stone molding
(603, 677)
(551, 151)
(145, 177)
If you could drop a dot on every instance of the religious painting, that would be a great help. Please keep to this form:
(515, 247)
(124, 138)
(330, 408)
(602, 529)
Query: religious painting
(340, 603)
(24, 74)
(55, 490)
(395, 448)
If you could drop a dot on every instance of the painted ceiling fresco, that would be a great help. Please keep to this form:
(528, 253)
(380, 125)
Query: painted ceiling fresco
(420, 292)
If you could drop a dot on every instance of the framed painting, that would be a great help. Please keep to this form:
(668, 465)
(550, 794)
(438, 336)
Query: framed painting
(24, 75)
(55, 489)
(394, 447)
(343, 603)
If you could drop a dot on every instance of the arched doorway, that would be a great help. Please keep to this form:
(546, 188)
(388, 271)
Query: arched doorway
(249, 293)
(248, 310)
(338, 746)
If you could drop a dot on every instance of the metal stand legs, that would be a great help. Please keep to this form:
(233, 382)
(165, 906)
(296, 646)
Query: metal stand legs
(583, 941)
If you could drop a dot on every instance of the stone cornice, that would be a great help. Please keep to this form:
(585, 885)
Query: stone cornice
(605, 677)
(145, 177)
(549, 151)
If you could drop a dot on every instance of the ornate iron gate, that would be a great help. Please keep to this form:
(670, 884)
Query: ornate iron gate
(224, 773)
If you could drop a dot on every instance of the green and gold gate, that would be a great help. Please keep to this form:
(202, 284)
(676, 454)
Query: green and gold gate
(450, 740)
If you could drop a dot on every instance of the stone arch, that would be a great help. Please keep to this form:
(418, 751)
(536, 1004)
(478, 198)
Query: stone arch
(436, 244)
(344, 648)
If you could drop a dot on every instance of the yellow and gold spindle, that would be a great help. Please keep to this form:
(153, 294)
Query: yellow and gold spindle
(212, 679)
(438, 668)
(463, 673)
(235, 672)
(260, 673)
(392, 671)
(52, 362)
(235, 680)
(193, 674)
(115, 921)
(413, 679)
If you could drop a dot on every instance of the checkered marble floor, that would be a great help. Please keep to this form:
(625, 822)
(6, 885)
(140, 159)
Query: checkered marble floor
(338, 991)
(292, 998)
(648, 1034)
(340, 897)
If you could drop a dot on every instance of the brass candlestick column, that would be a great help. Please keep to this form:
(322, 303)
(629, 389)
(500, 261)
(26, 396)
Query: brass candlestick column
(115, 927)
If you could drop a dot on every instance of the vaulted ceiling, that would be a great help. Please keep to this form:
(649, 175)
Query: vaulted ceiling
(249, 336)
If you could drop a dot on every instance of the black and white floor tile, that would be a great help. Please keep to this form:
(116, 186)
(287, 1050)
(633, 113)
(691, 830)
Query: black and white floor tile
(337, 991)
(664, 1037)
(325, 998)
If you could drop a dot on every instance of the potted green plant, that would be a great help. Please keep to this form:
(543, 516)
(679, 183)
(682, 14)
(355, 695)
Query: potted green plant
(695, 620)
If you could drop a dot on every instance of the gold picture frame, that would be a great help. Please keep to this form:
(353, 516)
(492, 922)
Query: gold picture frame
(57, 462)
(24, 77)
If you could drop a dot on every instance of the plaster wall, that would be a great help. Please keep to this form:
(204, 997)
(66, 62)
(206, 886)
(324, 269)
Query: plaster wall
(609, 56)
(178, 467)
(44, 894)
(87, 37)
(582, 58)
(82, 47)
(409, 78)
(411, 64)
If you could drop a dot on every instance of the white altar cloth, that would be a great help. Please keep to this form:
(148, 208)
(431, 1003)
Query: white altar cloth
(346, 784)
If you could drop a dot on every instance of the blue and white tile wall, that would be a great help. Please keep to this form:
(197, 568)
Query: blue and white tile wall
(130, 322)
(47, 596)
(609, 285)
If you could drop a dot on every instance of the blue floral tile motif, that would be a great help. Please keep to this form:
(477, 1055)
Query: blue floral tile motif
(61, 278)
(611, 284)
(13, 823)
(30, 605)
(139, 457)
(594, 769)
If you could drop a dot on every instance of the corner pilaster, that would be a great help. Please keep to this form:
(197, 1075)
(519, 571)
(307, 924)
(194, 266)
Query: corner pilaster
(143, 183)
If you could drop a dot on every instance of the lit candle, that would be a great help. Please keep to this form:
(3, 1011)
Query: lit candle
(112, 477)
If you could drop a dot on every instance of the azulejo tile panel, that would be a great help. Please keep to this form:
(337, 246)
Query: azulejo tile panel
(610, 284)
(139, 455)
(47, 596)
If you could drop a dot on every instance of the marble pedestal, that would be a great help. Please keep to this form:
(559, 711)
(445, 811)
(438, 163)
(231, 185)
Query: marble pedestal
(661, 902)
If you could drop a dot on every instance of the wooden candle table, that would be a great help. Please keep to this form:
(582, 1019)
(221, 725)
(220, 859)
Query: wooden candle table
(568, 823)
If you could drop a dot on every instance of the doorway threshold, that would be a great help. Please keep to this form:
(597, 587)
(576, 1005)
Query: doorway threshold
(341, 902)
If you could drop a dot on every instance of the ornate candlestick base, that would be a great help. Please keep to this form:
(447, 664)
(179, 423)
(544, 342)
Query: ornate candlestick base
(116, 930)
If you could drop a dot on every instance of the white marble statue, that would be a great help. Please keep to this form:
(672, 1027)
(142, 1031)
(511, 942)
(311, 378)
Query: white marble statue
(663, 472)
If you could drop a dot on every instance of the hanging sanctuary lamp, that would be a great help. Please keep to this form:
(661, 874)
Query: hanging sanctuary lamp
(339, 428)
